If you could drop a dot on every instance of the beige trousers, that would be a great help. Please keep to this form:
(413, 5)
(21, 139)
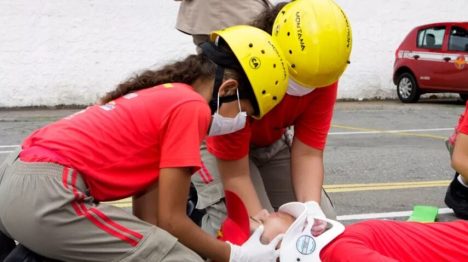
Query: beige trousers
(48, 209)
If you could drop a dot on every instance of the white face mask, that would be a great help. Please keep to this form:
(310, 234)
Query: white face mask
(295, 89)
(221, 125)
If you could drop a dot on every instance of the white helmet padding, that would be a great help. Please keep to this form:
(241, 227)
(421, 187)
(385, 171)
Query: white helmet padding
(298, 244)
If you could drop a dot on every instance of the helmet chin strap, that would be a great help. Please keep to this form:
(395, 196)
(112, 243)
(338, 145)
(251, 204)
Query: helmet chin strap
(217, 84)
(222, 60)
(225, 60)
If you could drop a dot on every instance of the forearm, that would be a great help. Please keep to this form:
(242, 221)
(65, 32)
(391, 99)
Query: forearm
(236, 178)
(460, 155)
(174, 184)
(190, 235)
(307, 181)
(307, 172)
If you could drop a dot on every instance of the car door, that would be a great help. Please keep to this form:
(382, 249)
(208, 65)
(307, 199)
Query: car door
(429, 55)
(455, 68)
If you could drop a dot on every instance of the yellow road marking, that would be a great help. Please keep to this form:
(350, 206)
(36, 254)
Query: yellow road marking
(127, 202)
(384, 186)
(392, 133)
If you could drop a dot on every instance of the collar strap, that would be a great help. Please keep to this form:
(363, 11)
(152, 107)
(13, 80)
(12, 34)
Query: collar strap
(222, 60)
(217, 83)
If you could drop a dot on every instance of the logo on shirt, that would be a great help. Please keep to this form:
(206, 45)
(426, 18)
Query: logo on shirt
(130, 95)
(109, 106)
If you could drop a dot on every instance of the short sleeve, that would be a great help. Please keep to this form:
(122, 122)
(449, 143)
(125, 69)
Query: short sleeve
(183, 132)
(231, 146)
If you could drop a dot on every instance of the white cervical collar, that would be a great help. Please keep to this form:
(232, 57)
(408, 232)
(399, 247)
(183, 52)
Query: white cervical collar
(298, 244)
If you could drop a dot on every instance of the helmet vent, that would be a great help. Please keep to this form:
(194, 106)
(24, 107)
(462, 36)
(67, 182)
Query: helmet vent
(274, 65)
(290, 51)
(274, 97)
(263, 51)
(276, 83)
(293, 65)
(263, 92)
(289, 33)
(250, 45)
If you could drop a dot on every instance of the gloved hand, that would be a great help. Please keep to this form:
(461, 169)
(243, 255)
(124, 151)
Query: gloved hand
(254, 251)
(314, 210)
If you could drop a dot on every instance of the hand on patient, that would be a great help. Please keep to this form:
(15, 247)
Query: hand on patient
(314, 209)
(276, 223)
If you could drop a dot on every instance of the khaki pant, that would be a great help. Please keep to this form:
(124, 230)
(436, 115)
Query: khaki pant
(48, 209)
(270, 172)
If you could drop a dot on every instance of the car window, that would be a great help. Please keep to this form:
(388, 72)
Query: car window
(458, 40)
(431, 38)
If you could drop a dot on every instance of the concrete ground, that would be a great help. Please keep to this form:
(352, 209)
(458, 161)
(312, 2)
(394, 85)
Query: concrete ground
(382, 157)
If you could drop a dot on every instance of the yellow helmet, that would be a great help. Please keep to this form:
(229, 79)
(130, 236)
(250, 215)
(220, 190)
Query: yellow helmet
(316, 38)
(262, 61)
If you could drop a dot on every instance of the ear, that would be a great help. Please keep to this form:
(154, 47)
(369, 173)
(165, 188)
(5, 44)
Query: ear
(228, 87)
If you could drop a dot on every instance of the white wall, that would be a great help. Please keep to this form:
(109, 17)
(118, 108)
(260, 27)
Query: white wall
(378, 28)
(56, 52)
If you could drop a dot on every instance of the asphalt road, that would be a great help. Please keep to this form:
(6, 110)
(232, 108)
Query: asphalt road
(387, 157)
(382, 157)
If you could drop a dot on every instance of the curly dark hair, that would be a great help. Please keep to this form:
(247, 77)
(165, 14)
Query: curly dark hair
(193, 67)
(185, 71)
(189, 69)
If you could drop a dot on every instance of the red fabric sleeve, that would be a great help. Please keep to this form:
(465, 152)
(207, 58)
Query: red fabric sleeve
(463, 125)
(184, 131)
(232, 146)
(314, 123)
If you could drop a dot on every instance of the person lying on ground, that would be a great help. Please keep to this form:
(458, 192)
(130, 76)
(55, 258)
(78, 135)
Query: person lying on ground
(371, 240)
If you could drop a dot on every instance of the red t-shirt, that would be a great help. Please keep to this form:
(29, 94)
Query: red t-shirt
(463, 124)
(462, 127)
(310, 115)
(385, 240)
(119, 147)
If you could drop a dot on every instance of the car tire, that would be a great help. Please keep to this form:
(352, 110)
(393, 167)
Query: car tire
(463, 97)
(407, 88)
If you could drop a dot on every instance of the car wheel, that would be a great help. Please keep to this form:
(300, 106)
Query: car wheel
(407, 88)
(463, 97)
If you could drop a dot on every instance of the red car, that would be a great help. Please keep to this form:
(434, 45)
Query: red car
(432, 58)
